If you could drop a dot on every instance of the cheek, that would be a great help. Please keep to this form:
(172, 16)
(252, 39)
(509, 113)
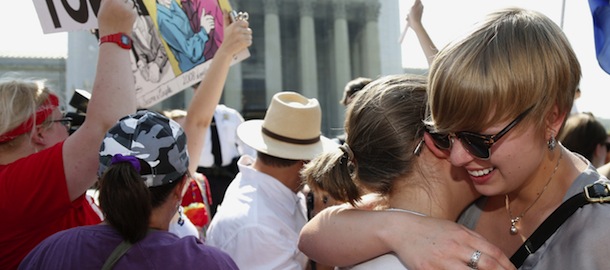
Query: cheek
(522, 156)
(59, 133)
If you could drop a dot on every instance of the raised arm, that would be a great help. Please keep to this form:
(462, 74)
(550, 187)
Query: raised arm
(113, 96)
(237, 37)
(414, 21)
(345, 236)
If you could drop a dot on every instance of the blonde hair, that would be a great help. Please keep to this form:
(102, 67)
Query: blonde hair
(175, 114)
(19, 100)
(513, 60)
(383, 125)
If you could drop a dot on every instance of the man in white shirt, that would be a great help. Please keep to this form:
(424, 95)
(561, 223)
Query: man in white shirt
(263, 211)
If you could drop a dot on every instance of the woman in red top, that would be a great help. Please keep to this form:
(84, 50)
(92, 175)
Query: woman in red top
(44, 173)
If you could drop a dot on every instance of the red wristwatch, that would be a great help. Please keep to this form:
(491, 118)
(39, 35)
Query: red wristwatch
(121, 39)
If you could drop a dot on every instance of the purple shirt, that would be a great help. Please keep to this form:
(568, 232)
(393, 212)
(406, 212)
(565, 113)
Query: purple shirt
(88, 247)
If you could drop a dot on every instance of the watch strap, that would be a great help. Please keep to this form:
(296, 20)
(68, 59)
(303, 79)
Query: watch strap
(121, 39)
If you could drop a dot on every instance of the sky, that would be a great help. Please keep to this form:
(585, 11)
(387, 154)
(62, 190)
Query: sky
(444, 20)
(19, 20)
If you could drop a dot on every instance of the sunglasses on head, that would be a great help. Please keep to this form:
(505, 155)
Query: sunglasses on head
(476, 144)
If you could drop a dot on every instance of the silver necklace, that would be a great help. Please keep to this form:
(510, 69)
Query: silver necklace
(514, 220)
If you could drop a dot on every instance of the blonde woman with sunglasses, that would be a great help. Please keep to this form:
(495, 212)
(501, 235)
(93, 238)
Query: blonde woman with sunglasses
(386, 153)
(498, 98)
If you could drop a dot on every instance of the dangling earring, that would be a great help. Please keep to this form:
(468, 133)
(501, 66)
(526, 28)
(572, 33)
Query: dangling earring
(552, 143)
(180, 219)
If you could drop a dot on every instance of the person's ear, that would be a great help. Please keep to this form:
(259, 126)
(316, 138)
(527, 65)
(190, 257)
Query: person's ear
(554, 122)
(599, 155)
(439, 153)
(38, 136)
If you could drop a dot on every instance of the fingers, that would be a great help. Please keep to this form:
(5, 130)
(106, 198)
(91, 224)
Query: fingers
(244, 36)
(474, 252)
(490, 257)
(238, 36)
(493, 259)
(116, 16)
(241, 30)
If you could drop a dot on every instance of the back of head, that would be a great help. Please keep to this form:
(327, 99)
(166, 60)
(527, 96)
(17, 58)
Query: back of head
(352, 87)
(142, 158)
(19, 102)
(513, 60)
(582, 133)
(384, 125)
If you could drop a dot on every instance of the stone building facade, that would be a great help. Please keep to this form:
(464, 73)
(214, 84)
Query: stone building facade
(51, 70)
(309, 46)
(313, 47)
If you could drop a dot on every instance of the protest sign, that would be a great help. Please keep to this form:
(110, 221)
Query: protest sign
(173, 42)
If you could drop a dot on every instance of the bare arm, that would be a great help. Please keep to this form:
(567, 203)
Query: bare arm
(344, 236)
(113, 97)
(199, 114)
(414, 21)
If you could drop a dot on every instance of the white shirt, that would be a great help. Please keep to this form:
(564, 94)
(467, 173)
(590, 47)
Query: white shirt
(259, 221)
(387, 262)
(227, 120)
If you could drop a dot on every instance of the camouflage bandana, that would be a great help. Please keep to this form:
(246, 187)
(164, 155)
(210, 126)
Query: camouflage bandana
(156, 141)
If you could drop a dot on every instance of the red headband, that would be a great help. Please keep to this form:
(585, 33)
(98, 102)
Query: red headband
(42, 113)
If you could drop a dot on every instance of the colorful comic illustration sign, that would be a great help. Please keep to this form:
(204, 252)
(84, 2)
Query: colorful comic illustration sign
(173, 40)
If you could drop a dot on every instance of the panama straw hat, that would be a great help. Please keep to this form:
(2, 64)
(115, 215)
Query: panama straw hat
(290, 129)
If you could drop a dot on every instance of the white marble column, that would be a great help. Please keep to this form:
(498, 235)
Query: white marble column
(233, 91)
(233, 88)
(273, 49)
(309, 70)
(372, 61)
(341, 57)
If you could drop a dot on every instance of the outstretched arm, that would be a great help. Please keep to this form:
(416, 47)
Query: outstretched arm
(414, 21)
(238, 36)
(113, 97)
(345, 236)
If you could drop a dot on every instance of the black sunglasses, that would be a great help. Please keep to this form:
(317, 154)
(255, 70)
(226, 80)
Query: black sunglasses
(65, 121)
(478, 145)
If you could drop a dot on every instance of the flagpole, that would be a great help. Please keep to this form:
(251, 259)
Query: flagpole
(563, 13)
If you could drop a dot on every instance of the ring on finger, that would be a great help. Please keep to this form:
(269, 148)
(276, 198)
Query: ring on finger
(474, 260)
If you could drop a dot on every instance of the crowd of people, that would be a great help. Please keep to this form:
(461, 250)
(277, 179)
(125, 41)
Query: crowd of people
(481, 164)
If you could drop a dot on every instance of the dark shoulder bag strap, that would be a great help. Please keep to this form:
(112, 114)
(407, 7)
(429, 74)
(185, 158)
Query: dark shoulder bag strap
(597, 192)
(118, 252)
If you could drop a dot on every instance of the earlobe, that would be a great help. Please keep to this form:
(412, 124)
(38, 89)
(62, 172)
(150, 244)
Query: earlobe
(432, 147)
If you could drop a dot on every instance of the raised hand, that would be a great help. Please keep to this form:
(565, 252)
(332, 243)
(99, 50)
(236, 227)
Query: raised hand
(116, 16)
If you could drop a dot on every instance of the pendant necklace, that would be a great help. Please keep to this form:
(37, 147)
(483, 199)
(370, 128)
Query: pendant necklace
(514, 220)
